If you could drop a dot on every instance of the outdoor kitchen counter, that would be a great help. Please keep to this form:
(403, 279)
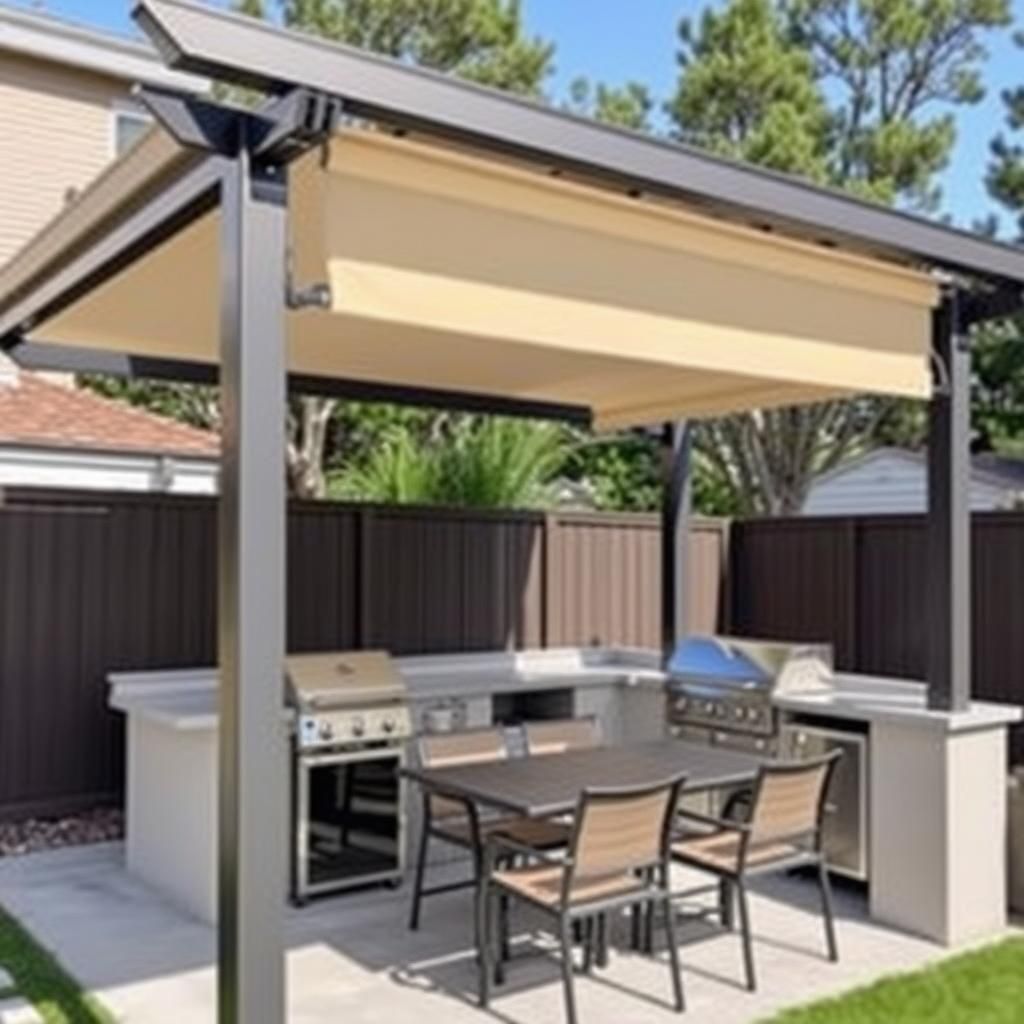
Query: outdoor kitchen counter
(898, 702)
(926, 770)
(172, 719)
(187, 698)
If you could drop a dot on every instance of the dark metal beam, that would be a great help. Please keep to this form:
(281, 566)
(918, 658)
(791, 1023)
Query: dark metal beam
(43, 355)
(253, 774)
(978, 307)
(248, 51)
(675, 532)
(949, 514)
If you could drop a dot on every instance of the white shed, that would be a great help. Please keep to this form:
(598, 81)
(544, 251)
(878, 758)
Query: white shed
(895, 480)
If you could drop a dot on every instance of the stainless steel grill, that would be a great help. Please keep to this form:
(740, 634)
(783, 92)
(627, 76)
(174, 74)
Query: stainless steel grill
(720, 689)
(352, 721)
(721, 692)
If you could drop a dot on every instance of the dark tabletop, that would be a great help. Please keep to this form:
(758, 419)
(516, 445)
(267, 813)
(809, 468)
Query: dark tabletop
(550, 784)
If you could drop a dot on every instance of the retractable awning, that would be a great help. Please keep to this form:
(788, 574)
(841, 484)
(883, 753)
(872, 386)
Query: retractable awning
(455, 272)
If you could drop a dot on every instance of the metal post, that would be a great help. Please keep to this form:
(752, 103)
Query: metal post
(675, 532)
(949, 515)
(253, 750)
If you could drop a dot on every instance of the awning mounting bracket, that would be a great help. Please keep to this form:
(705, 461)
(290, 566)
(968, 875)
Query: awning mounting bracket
(279, 130)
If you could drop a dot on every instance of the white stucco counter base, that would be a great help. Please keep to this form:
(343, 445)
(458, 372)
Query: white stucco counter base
(937, 804)
(938, 831)
(171, 841)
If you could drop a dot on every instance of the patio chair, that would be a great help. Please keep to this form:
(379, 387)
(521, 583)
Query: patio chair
(557, 736)
(618, 857)
(783, 831)
(458, 822)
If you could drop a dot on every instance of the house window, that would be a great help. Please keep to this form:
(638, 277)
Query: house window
(129, 127)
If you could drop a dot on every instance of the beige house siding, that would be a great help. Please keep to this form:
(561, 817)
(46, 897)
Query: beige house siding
(57, 125)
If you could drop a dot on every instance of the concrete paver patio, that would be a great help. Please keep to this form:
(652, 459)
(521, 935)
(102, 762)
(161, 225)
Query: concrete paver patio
(352, 959)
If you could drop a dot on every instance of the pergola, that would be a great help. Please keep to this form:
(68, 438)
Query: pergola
(375, 231)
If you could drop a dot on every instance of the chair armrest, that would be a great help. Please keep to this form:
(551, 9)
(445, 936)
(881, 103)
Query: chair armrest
(719, 823)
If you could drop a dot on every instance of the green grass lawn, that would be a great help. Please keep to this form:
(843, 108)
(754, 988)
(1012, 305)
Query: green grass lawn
(40, 980)
(981, 987)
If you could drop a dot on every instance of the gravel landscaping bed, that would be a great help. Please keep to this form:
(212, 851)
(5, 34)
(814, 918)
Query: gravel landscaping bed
(100, 825)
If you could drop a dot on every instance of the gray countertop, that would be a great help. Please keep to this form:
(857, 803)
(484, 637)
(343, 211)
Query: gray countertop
(187, 699)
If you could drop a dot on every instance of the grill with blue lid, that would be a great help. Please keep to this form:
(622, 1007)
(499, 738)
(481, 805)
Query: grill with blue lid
(726, 684)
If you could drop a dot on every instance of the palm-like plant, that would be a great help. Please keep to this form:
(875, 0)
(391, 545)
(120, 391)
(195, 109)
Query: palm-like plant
(480, 463)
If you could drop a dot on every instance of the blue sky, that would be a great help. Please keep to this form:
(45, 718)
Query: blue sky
(617, 40)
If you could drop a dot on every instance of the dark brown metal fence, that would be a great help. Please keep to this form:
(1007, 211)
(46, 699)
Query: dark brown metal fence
(861, 583)
(92, 583)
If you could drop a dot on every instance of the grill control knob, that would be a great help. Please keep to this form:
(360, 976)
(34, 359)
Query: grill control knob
(388, 725)
(358, 726)
(326, 731)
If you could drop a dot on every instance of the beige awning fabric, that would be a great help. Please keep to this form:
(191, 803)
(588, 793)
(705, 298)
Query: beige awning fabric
(453, 272)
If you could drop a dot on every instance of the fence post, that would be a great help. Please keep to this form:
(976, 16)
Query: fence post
(851, 620)
(364, 576)
(549, 605)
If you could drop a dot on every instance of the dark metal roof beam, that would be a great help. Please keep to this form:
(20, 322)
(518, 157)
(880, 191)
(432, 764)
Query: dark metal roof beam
(247, 51)
(42, 355)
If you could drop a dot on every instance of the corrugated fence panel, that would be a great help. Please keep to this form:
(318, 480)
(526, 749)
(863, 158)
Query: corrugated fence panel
(998, 606)
(891, 592)
(862, 584)
(445, 579)
(792, 580)
(604, 579)
(323, 577)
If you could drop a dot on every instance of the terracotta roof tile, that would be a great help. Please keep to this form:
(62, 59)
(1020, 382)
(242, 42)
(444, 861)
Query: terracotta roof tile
(39, 412)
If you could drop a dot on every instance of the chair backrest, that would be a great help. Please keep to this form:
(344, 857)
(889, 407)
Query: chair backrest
(449, 749)
(556, 736)
(621, 830)
(789, 799)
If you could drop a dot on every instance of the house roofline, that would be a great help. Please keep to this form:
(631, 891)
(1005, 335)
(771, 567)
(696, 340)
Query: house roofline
(179, 455)
(978, 473)
(62, 41)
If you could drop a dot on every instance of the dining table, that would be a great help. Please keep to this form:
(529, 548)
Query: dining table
(548, 785)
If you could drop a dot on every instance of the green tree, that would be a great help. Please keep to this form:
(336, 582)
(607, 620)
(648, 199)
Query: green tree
(747, 91)
(627, 106)
(997, 399)
(481, 462)
(894, 71)
(482, 40)
(1005, 178)
(857, 94)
